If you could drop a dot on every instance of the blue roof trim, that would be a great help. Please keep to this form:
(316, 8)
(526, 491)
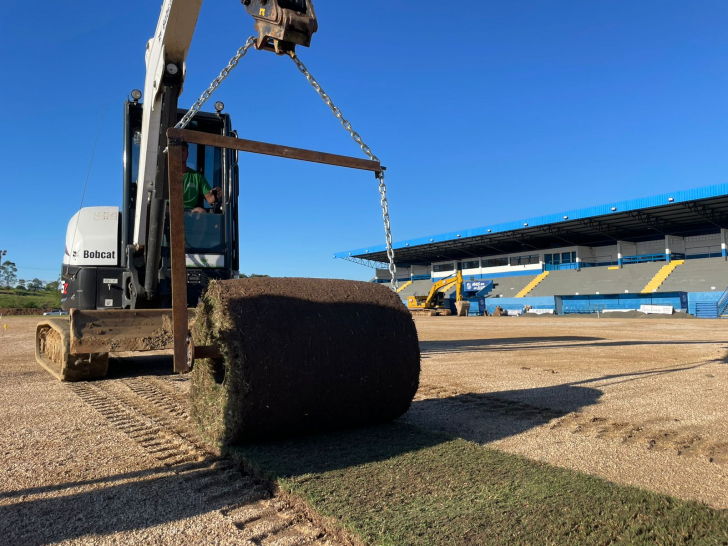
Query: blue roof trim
(589, 212)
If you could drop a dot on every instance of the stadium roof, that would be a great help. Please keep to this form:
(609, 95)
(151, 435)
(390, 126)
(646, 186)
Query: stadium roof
(682, 213)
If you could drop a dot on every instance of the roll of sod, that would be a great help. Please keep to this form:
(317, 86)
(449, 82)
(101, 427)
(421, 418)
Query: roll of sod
(300, 356)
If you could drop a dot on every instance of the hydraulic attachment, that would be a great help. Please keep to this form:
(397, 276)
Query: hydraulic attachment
(282, 24)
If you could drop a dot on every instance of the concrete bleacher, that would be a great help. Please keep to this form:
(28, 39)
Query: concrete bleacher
(508, 287)
(701, 275)
(417, 288)
(632, 278)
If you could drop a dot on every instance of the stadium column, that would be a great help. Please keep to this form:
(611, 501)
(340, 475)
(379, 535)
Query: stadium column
(619, 253)
(723, 237)
(667, 248)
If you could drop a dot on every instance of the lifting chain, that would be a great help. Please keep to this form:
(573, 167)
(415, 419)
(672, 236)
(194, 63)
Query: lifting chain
(215, 84)
(367, 151)
(354, 135)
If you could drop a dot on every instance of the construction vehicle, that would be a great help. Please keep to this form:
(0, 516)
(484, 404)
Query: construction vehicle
(129, 273)
(433, 304)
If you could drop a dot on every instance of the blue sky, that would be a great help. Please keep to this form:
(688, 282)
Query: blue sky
(497, 111)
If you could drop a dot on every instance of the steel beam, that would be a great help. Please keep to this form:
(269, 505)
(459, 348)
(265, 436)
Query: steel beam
(658, 224)
(252, 146)
(605, 229)
(368, 263)
(180, 327)
(714, 217)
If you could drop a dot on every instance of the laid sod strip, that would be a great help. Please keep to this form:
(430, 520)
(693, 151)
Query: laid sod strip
(396, 484)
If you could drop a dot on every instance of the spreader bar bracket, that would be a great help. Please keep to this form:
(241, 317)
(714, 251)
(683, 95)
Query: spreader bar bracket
(255, 147)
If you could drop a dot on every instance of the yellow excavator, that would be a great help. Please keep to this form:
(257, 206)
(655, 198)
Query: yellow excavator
(433, 304)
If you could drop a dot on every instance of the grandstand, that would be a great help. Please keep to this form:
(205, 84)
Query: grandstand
(669, 249)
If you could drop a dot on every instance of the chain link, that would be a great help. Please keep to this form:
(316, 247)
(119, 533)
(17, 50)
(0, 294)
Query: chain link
(215, 84)
(357, 138)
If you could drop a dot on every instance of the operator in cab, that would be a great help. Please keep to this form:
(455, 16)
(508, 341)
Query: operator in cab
(196, 188)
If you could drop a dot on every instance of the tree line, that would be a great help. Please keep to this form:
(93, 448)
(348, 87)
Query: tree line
(9, 280)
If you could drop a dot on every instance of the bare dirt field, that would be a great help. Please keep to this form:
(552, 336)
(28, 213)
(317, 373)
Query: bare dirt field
(119, 462)
(639, 402)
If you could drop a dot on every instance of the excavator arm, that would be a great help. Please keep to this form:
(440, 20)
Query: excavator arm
(281, 25)
(432, 304)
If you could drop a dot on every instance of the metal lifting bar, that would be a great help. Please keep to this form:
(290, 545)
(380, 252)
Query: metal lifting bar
(252, 146)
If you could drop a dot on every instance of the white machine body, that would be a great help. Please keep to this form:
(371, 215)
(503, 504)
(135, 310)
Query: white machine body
(92, 237)
(170, 44)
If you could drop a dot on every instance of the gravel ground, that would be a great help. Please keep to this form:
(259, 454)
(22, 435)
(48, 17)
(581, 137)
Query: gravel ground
(117, 462)
(639, 402)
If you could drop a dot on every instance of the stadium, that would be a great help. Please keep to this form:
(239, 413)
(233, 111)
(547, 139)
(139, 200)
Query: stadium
(668, 251)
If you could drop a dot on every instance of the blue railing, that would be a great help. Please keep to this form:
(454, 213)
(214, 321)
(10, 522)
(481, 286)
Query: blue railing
(420, 277)
(644, 258)
(722, 302)
(560, 267)
(574, 265)
(651, 258)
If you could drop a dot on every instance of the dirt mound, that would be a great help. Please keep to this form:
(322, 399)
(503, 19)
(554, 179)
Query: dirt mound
(21, 312)
(301, 355)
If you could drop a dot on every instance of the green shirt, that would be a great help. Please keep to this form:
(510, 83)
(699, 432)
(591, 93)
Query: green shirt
(196, 187)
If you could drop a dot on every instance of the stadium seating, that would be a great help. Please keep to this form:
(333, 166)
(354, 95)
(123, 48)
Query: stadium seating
(508, 287)
(416, 288)
(702, 275)
(530, 286)
(591, 280)
(697, 275)
(664, 272)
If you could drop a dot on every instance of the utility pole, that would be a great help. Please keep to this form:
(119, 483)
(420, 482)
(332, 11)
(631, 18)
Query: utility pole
(2, 253)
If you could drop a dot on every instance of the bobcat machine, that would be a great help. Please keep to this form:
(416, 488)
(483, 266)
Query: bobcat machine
(129, 273)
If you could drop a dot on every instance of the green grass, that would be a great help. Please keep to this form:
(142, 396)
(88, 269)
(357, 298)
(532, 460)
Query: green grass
(21, 299)
(396, 484)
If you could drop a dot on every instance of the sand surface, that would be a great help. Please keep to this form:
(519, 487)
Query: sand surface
(119, 462)
(639, 402)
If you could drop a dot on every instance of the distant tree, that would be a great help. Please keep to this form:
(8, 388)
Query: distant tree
(35, 285)
(8, 274)
(21, 285)
(52, 286)
(251, 276)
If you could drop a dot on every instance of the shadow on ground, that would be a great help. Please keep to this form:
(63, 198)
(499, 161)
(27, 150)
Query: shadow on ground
(488, 417)
(135, 364)
(105, 506)
(475, 417)
(484, 418)
(429, 348)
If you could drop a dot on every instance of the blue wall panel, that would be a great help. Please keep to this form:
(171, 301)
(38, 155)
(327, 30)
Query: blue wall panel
(591, 303)
(543, 302)
(703, 297)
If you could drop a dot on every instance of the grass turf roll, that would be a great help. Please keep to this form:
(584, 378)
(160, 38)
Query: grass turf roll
(299, 356)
